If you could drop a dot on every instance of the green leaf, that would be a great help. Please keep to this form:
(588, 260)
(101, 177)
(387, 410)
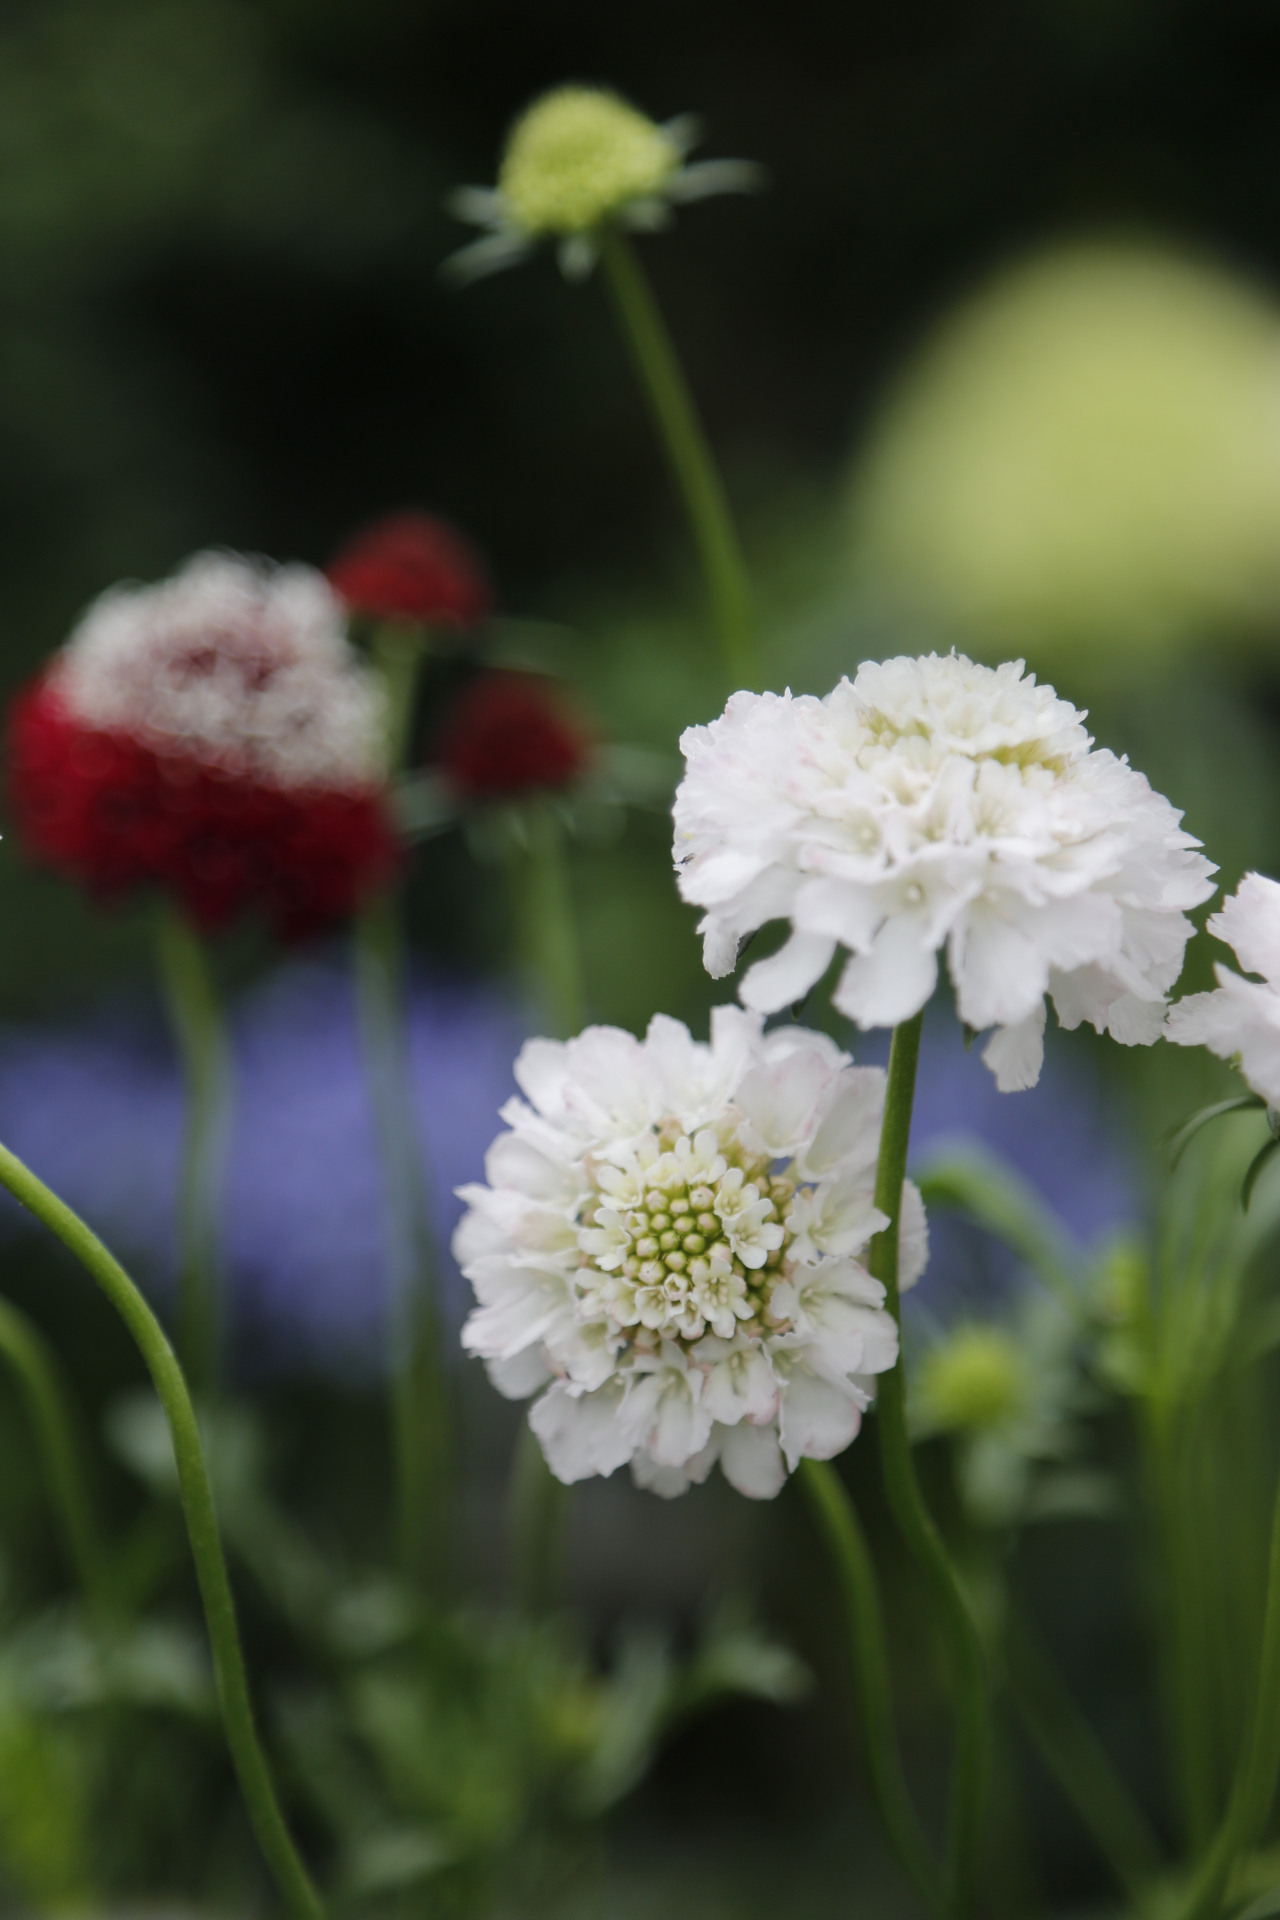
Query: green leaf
(1181, 1136)
(1256, 1165)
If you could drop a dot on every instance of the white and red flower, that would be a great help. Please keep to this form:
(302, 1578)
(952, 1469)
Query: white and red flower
(213, 736)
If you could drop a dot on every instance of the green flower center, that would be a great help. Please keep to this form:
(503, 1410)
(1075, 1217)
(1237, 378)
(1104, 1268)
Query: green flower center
(689, 1238)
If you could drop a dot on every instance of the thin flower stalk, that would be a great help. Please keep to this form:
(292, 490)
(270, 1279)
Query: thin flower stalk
(907, 1503)
(420, 1391)
(699, 484)
(248, 1757)
(1254, 1788)
(196, 1016)
(546, 925)
(837, 1519)
(36, 1370)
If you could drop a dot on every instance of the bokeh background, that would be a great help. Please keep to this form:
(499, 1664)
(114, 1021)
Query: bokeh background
(993, 361)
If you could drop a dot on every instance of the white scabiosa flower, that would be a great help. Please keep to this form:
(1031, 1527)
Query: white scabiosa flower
(933, 803)
(577, 159)
(1240, 1020)
(667, 1251)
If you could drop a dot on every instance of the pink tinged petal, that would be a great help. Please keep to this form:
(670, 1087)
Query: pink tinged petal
(580, 1434)
(786, 976)
(815, 1419)
(894, 980)
(1016, 1054)
(782, 1100)
(751, 1461)
(740, 1387)
(1250, 922)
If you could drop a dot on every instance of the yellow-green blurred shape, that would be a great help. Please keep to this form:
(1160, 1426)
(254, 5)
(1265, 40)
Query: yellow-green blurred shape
(579, 155)
(971, 1382)
(43, 1809)
(1089, 449)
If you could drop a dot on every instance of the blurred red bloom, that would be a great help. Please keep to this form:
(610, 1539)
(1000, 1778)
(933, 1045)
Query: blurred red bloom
(411, 566)
(113, 813)
(508, 735)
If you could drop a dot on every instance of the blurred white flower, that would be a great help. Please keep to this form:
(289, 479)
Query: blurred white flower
(1240, 1020)
(577, 159)
(236, 664)
(933, 802)
(667, 1245)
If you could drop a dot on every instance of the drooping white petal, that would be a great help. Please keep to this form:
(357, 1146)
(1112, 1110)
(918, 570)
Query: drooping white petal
(892, 982)
(751, 1460)
(1016, 1054)
(580, 1434)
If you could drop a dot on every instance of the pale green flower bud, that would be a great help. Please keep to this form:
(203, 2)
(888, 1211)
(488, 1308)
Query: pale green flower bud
(973, 1381)
(578, 156)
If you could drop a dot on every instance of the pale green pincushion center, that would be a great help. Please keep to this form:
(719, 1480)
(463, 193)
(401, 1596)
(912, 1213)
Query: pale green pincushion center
(579, 155)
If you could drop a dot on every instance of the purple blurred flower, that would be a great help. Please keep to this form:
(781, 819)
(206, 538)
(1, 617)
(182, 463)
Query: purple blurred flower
(1060, 1136)
(98, 1114)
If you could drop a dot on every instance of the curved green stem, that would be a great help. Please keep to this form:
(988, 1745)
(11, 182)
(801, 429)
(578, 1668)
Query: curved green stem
(907, 1502)
(33, 1362)
(1254, 1787)
(247, 1755)
(420, 1391)
(691, 463)
(841, 1529)
(1079, 1762)
(196, 1014)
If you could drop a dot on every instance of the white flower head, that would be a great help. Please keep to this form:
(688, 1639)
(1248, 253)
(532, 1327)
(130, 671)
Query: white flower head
(1240, 1019)
(577, 159)
(236, 664)
(932, 803)
(668, 1250)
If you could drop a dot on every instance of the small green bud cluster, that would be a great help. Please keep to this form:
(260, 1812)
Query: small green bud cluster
(973, 1381)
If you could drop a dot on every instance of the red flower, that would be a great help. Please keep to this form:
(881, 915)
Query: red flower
(411, 566)
(506, 736)
(112, 813)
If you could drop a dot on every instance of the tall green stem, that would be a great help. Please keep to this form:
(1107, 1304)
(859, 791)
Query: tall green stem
(37, 1373)
(419, 1382)
(907, 1503)
(198, 1026)
(838, 1520)
(420, 1392)
(247, 1755)
(545, 919)
(691, 463)
(1254, 1787)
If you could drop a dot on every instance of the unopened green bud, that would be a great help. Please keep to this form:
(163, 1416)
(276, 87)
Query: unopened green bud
(973, 1381)
(578, 156)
